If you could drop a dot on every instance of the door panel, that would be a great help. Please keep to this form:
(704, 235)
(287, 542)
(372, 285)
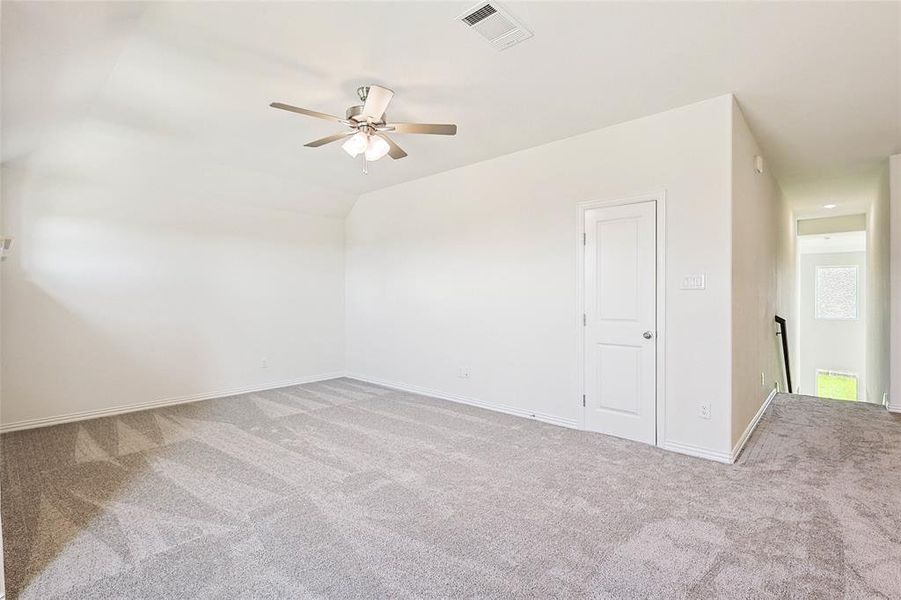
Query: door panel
(620, 311)
(619, 377)
(617, 293)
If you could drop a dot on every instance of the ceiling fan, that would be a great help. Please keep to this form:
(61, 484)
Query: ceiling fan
(368, 126)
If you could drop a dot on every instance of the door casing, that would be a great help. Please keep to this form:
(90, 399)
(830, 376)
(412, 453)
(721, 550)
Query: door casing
(659, 198)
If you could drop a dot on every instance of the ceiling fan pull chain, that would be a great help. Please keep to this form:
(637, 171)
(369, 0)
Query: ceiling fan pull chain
(365, 165)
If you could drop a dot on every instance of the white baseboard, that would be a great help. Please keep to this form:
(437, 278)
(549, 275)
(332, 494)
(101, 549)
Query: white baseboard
(893, 408)
(723, 457)
(698, 452)
(118, 410)
(503, 408)
(739, 446)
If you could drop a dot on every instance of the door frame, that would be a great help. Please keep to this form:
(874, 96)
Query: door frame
(659, 198)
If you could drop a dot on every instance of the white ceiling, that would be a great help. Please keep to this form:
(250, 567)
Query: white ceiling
(847, 194)
(182, 89)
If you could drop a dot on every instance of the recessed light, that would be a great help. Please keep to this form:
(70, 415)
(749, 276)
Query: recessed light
(830, 205)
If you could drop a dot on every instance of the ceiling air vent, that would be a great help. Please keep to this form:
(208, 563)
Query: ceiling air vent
(495, 25)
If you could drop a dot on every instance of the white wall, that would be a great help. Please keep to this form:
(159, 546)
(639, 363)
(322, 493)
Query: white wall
(787, 288)
(756, 213)
(829, 344)
(878, 292)
(476, 267)
(895, 215)
(119, 294)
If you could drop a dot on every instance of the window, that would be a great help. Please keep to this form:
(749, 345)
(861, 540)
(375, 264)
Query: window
(836, 385)
(836, 292)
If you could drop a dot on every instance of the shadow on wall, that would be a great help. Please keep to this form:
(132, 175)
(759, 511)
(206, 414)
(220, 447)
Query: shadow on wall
(63, 364)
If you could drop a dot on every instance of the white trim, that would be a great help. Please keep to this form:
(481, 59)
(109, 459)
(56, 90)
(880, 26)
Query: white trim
(659, 198)
(118, 410)
(740, 445)
(895, 408)
(503, 408)
(698, 452)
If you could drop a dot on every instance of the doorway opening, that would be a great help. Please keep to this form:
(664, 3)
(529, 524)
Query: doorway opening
(832, 285)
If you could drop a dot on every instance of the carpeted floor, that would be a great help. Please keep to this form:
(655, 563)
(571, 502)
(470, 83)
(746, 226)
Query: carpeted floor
(341, 489)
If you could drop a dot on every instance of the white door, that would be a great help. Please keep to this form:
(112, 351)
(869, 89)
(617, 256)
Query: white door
(620, 321)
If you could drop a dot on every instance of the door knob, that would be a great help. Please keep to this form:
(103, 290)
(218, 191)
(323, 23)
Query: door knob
(647, 335)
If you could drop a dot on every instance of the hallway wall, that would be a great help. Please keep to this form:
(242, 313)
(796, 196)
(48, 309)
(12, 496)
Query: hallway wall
(878, 346)
(756, 210)
(895, 214)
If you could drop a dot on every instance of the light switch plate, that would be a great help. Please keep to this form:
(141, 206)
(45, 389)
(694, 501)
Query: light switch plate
(694, 282)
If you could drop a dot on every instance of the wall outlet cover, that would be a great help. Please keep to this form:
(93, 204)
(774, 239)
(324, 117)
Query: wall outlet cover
(705, 410)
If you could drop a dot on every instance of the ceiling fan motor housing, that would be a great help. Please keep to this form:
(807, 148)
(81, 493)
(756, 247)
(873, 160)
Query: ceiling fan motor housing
(356, 111)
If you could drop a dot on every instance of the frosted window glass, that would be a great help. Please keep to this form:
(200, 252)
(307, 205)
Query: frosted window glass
(836, 292)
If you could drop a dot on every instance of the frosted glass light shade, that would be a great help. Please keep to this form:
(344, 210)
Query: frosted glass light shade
(356, 144)
(378, 148)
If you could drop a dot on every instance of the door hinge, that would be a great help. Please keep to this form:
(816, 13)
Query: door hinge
(584, 319)
(584, 238)
(583, 400)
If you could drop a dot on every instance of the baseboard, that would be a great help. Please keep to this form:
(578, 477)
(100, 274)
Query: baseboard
(739, 446)
(895, 408)
(119, 410)
(698, 452)
(502, 408)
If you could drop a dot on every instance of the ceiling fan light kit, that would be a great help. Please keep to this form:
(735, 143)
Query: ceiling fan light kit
(368, 125)
(357, 143)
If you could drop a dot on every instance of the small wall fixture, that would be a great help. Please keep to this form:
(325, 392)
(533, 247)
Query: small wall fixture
(6, 245)
(758, 164)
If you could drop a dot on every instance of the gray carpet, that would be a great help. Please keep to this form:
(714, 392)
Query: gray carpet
(346, 490)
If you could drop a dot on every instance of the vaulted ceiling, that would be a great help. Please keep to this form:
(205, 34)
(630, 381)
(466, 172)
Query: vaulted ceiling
(182, 88)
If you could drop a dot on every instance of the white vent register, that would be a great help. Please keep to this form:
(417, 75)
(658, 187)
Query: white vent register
(495, 25)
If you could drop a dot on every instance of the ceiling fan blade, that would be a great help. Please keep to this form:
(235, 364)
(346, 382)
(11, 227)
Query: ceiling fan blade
(394, 151)
(310, 113)
(329, 139)
(431, 128)
(377, 99)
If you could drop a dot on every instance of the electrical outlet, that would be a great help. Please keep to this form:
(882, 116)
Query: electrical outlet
(264, 363)
(705, 410)
(465, 372)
